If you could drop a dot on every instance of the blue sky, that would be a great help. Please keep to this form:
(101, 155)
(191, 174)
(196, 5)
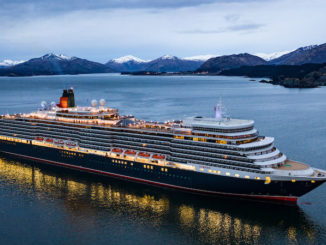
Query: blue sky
(103, 29)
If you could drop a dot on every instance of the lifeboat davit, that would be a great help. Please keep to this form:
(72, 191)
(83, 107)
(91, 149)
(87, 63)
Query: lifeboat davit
(144, 154)
(49, 140)
(39, 138)
(160, 157)
(116, 150)
(130, 152)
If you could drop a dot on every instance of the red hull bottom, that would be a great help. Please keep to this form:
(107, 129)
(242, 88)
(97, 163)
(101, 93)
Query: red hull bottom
(279, 199)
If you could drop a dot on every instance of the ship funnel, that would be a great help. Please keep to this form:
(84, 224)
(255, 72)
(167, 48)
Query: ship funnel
(67, 99)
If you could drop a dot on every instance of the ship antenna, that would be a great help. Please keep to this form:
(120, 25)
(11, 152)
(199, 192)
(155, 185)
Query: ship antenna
(220, 111)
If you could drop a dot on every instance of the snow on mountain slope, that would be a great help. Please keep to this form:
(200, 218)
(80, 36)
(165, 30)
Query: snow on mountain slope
(200, 57)
(128, 58)
(11, 62)
(271, 56)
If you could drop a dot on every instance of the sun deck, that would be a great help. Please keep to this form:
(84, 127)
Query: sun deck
(293, 165)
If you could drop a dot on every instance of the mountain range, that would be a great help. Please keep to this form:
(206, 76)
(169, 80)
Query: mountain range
(52, 64)
(166, 63)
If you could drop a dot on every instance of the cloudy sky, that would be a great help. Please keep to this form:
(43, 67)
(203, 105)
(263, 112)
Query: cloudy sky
(104, 29)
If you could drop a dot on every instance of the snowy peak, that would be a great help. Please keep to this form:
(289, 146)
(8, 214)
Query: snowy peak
(168, 57)
(56, 56)
(271, 56)
(200, 57)
(128, 58)
(11, 62)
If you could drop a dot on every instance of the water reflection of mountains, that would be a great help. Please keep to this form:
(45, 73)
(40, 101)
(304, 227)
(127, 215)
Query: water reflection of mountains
(203, 219)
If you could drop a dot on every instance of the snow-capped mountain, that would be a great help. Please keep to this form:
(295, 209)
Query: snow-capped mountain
(271, 56)
(52, 64)
(7, 63)
(126, 63)
(128, 58)
(309, 54)
(169, 63)
(57, 56)
(168, 57)
(200, 57)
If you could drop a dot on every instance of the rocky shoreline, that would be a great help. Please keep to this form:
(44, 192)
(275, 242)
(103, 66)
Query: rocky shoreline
(311, 80)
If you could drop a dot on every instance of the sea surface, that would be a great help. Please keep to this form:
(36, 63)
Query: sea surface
(47, 205)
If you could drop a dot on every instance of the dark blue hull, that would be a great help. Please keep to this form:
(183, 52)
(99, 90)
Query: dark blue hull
(161, 176)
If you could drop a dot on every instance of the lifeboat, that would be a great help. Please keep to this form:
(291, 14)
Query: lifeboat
(59, 142)
(130, 152)
(159, 157)
(144, 154)
(116, 150)
(39, 138)
(48, 140)
(71, 144)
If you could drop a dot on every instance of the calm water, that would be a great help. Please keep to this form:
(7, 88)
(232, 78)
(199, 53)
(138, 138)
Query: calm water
(44, 205)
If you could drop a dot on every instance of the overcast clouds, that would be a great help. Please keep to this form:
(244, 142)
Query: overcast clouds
(148, 28)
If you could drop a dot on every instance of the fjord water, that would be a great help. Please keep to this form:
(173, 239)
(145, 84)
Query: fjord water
(45, 205)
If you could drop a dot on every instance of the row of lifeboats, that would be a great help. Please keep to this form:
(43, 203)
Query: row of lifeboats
(140, 154)
(60, 142)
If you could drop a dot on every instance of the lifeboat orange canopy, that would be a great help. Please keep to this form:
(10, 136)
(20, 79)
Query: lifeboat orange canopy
(158, 156)
(130, 152)
(39, 138)
(49, 140)
(144, 154)
(117, 150)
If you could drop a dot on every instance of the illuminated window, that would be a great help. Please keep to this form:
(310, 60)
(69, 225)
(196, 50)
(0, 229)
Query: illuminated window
(201, 169)
(144, 166)
(257, 177)
(152, 167)
(210, 171)
(247, 177)
(166, 170)
(227, 173)
(237, 175)
(313, 181)
(293, 180)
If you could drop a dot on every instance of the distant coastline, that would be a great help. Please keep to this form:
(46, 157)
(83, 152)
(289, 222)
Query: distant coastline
(304, 67)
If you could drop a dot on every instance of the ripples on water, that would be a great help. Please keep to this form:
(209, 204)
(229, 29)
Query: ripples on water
(46, 205)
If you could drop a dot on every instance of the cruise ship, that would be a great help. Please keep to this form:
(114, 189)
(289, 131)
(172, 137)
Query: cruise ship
(218, 156)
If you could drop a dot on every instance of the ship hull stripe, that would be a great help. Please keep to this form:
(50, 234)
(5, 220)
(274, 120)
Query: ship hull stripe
(291, 199)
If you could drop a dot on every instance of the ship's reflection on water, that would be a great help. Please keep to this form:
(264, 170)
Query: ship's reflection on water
(87, 199)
